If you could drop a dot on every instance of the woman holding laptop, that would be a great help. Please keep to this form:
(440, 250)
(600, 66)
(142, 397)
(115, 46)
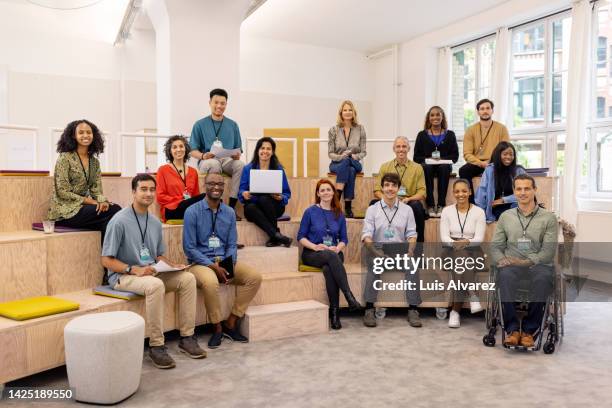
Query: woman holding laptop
(263, 208)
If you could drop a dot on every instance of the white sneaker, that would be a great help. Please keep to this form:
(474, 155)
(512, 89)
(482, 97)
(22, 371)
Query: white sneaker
(432, 212)
(454, 321)
(475, 305)
(441, 313)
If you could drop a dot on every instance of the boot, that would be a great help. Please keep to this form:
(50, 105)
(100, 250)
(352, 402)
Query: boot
(334, 318)
(348, 209)
(353, 303)
(284, 240)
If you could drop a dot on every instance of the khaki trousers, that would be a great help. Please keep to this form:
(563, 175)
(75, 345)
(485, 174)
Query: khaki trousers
(154, 288)
(246, 279)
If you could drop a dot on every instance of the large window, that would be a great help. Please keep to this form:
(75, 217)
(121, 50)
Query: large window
(472, 72)
(539, 72)
(603, 62)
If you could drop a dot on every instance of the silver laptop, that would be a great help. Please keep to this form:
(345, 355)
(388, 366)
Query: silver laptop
(266, 181)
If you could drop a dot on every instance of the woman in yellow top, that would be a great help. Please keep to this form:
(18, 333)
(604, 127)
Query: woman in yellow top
(77, 200)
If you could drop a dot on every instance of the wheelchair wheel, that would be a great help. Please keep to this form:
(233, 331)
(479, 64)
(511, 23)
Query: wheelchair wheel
(488, 340)
(549, 347)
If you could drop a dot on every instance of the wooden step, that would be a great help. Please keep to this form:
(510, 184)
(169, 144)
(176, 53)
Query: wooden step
(283, 320)
(25, 200)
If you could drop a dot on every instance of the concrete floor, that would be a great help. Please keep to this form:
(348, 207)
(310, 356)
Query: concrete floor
(391, 365)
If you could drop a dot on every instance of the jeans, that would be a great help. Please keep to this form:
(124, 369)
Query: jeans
(442, 171)
(346, 171)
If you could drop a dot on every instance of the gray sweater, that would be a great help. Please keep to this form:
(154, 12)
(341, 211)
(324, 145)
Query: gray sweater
(337, 142)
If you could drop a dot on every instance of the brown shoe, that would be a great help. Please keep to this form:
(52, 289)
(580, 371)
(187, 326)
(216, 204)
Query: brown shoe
(527, 340)
(512, 339)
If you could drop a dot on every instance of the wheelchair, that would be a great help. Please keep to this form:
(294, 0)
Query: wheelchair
(551, 326)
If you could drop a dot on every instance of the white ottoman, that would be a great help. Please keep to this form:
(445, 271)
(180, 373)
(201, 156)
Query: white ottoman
(104, 355)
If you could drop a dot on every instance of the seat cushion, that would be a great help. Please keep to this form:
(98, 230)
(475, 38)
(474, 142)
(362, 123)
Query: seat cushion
(31, 308)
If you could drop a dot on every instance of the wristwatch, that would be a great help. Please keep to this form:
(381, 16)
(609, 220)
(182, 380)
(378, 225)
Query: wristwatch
(128, 270)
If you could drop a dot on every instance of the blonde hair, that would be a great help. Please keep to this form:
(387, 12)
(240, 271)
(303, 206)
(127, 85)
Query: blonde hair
(339, 120)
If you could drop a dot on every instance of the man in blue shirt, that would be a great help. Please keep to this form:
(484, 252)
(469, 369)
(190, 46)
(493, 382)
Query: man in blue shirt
(209, 241)
(218, 130)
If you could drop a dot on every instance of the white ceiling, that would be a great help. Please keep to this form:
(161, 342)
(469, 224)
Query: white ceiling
(358, 25)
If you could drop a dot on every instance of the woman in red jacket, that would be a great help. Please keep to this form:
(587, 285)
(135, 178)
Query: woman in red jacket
(177, 183)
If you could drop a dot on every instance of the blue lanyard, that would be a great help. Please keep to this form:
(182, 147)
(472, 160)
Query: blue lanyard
(437, 139)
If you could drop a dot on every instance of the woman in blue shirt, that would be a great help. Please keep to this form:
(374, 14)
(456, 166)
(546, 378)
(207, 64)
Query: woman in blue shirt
(495, 192)
(323, 235)
(264, 209)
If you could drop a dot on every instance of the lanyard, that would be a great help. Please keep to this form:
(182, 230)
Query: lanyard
(437, 139)
(142, 235)
(401, 175)
(84, 172)
(180, 176)
(327, 229)
(213, 220)
(482, 142)
(524, 227)
(217, 129)
(394, 214)
(346, 139)
(465, 219)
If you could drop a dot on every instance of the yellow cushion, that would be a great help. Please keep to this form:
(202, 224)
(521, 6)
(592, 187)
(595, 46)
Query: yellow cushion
(31, 308)
(174, 222)
(306, 268)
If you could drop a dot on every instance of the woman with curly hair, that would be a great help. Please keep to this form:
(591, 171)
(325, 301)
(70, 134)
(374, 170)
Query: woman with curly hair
(77, 200)
(177, 183)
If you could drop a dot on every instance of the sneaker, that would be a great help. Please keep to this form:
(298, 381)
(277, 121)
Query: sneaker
(475, 305)
(512, 339)
(160, 357)
(369, 318)
(189, 345)
(527, 340)
(441, 313)
(454, 321)
(234, 335)
(413, 318)
(439, 211)
(215, 340)
(432, 211)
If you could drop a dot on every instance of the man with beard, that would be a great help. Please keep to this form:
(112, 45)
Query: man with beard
(479, 141)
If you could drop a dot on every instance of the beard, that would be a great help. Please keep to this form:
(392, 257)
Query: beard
(485, 117)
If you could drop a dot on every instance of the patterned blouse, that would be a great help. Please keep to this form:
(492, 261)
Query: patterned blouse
(70, 185)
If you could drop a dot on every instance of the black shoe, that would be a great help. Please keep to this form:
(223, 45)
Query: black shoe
(234, 335)
(283, 240)
(189, 345)
(353, 303)
(160, 357)
(239, 246)
(215, 340)
(334, 318)
(272, 242)
(348, 213)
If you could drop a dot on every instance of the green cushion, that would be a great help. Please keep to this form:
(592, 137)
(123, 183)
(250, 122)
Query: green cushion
(31, 308)
(174, 222)
(306, 268)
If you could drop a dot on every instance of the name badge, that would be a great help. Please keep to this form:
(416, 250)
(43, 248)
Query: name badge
(328, 240)
(402, 191)
(217, 143)
(186, 195)
(523, 244)
(214, 242)
(435, 155)
(145, 256)
(389, 233)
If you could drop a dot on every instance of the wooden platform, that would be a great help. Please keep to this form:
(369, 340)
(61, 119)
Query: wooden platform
(25, 200)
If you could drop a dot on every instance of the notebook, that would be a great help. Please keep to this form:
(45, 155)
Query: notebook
(106, 290)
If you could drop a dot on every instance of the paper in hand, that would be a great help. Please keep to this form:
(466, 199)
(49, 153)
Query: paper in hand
(434, 161)
(161, 267)
(221, 153)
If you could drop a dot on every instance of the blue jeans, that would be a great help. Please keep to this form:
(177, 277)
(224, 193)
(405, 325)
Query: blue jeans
(346, 170)
(540, 279)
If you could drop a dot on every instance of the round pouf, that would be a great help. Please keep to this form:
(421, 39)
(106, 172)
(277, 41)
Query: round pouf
(104, 355)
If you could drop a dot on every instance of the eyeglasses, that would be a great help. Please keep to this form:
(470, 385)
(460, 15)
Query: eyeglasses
(211, 184)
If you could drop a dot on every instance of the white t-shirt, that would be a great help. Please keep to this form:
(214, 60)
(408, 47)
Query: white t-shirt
(474, 228)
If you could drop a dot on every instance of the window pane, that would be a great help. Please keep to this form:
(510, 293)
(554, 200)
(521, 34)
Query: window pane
(528, 62)
(561, 39)
(603, 65)
(529, 153)
(559, 98)
(464, 87)
(487, 56)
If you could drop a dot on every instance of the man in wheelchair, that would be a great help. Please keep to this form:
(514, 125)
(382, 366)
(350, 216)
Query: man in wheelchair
(523, 248)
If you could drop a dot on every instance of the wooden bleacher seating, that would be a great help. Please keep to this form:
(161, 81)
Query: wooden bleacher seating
(68, 265)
